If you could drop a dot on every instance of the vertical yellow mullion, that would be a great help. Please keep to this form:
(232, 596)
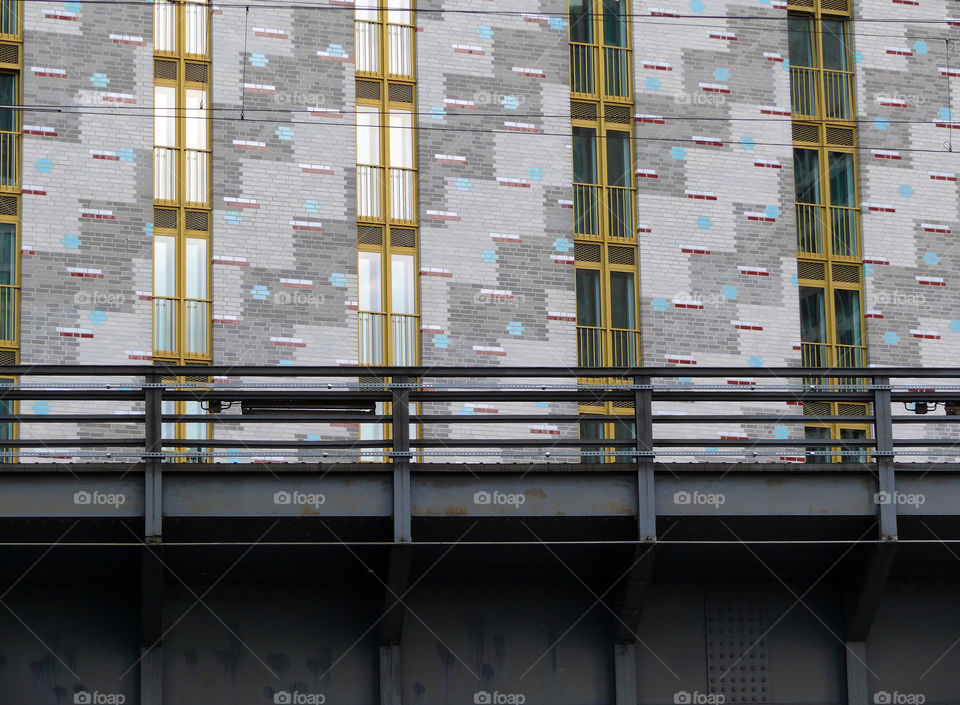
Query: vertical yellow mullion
(180, 248)
(596, 10)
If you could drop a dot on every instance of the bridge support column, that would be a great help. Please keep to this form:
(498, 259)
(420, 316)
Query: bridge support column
(857, 683)
(151, 628)
(625, 673)
(391, 683)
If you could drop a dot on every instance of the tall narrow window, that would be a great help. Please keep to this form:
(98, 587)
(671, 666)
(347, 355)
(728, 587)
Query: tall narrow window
(604, 226)
(388, 317)
(387, 216)
(181, 182)
(11, 32)
(830, 268)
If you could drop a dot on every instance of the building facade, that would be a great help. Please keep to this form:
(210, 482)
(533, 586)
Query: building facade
(437, 185)
(592, 184)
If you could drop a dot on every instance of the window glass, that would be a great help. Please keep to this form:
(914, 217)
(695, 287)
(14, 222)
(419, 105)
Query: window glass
(194, 431)
(591, 430)
(842, 187)
(403, 291)
(588, 297)
(847, 309)
(169, 429)
(8, 96)
(622, 301)
(853, 434)
(581, 21)
(813, 316)
(615, 23)
(398, 11)
(8, 256)
(618, 158)
(833, 37)
(584, 155)
(817, 433)
(196, 268)
(164, 265)
(196, 26)
(195, 124)
(369, 284)
(164, 110)
(368, 135)
(366, 10)
(164, 25)
(401, 138)
(800, 41)
(806, 175)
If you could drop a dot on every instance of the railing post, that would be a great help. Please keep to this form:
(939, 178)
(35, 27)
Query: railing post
(400, 425)
(643, 425)
(883, 431)
(152, 476)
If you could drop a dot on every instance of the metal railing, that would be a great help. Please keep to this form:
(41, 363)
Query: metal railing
(583, 71)
(836, 94)
(586, 79)
(368, 47)
(593, 343)
(9, 18)
(619, 211)
(831, 100)
(819, 225)
(400, 50)
(9, 161)
(803, 91)
(369, 191)
(9, 306)
(403, 205)
(616, 68)
(597, 206)
(586, 209)
(115, 412)
(194, 322)
(403, 340)
(833, 355)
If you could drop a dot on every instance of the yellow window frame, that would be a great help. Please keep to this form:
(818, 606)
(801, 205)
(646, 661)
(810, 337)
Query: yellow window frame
(820, 77)
(181, 85)
(383, 41)
(597, 54)
(825, 208)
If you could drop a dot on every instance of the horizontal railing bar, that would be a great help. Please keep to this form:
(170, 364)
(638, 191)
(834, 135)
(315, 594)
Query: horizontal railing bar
(264, 443)
(71, 418)
(488, 372)
(73, 443)
(630, 443)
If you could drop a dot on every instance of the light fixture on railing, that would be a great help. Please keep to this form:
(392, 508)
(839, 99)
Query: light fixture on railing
(310, 407)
